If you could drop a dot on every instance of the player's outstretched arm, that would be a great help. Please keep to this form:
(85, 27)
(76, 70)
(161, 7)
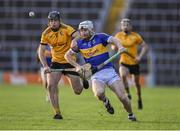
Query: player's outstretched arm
(115, 43)
(41, 54)
(70, 53)
(143, 51)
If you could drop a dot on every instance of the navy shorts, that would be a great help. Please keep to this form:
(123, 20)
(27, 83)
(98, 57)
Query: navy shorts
(133, 69)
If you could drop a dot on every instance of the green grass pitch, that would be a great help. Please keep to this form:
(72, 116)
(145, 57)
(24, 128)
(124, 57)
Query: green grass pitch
(24, 107)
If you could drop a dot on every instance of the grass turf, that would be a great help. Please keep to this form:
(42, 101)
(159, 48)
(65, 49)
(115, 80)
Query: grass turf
(24, 107)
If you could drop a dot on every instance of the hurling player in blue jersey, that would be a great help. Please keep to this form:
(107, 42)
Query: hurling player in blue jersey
(92, 46)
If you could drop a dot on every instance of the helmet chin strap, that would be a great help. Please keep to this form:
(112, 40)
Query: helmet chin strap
(91, 32)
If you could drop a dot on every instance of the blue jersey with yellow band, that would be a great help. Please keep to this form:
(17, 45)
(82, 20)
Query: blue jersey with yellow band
(94, 50)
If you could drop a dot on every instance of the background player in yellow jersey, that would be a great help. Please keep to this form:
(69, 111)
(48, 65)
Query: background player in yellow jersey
(129, 64)
(58, 36)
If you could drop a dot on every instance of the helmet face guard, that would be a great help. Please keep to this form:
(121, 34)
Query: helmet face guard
(54, 15)
(87, 25)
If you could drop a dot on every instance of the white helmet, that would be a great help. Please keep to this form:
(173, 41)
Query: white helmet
(87, 25)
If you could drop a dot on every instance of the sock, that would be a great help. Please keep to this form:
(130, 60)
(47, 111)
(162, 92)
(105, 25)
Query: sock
(57, 111)
(105, 101)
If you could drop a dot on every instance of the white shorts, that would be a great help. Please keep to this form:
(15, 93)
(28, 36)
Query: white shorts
(107, 76)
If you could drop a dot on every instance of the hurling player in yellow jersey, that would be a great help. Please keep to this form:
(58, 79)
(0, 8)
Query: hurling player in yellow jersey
(58, 36)
(129, 64)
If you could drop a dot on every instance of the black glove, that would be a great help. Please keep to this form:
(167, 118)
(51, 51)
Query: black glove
(94, 70)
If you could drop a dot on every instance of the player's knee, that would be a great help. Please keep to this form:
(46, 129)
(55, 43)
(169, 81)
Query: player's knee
(123, 77)
(98, 89)
(122, 74)
(77, 92)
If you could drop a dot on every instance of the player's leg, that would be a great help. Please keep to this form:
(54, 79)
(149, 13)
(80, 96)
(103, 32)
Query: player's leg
(44, 82)
(138, 88)
(117, 87)
(124, 72)
(53, 79)
(98, 88)
(74, 79)
(75, 82)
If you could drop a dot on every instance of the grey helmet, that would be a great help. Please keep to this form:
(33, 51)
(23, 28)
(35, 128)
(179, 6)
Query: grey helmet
(54, 15)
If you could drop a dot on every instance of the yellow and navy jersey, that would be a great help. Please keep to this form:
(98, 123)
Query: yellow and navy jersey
(59, 41)
(131, 42)
(94, 50)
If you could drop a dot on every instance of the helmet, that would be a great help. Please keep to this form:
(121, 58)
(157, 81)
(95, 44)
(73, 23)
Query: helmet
(87, 25)
(54, 15)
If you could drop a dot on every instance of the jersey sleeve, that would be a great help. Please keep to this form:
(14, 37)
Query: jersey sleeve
(116, 36)
(70, 30)
(139, 39)
(104, 38)
(44, 39)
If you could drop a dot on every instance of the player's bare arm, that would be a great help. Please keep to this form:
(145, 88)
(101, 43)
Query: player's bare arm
(143, 51)
(70, 53)
(41, 53)
(115, 43)
(114, 47)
